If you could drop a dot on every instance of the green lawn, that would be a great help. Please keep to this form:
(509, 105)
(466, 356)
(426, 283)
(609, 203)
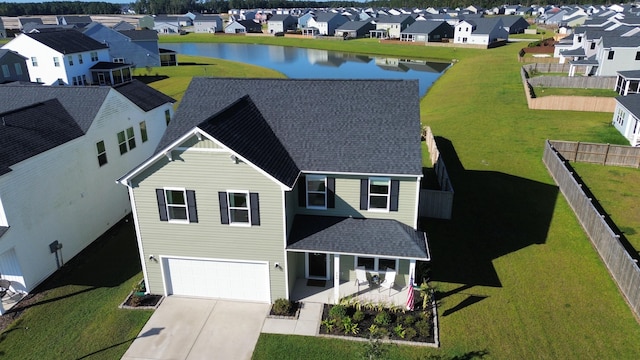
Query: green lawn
(617, 189)
(76, 314)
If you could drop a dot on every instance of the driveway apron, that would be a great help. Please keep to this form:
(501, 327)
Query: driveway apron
(191, 329)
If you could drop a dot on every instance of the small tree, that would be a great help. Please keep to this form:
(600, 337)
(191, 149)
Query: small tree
(374, 349)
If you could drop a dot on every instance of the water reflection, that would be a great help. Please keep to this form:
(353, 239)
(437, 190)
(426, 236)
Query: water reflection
(300, 63)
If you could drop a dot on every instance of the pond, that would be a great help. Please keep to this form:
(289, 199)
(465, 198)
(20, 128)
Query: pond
(298, 63)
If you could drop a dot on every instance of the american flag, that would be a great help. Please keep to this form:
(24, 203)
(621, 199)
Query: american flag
(410, 298)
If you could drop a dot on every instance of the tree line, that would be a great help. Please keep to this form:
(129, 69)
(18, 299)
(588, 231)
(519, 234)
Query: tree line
(154, 7)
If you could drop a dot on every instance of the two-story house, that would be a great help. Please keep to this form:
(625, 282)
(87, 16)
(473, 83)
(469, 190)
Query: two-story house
(281, 23)
(626, 117)
(135, 47)
(390, 26)
(60, 57)
(480, 31)
(62, 149)
(13, 67)
(326, 23)
(257, 189)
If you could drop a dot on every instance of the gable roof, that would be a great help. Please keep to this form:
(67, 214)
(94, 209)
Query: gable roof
(67, 41)
(631, 102)
(424, 27)
(7, 52)
(280, 17)
(339, 126)
(354, 25)
(485, 25)
(145, 97)
(140, 35)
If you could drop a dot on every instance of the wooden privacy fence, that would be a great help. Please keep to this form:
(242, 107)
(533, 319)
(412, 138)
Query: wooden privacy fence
(575, 82)
(436, 203)
(621, 265)
(605, 154)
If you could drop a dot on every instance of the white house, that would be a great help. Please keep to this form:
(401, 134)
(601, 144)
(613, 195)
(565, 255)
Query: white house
(626, 117)
(59, 57)
(62, 149)
(480, 31)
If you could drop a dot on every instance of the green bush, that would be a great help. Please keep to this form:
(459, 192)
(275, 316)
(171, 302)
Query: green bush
(410, 333)
(338, 312)
(282, 307)
(383, 319)
(424, 328)
(358, 316)
(408, 320)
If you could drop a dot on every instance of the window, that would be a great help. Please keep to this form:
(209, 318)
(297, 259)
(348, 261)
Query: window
(102, 153)
(18, 68)
(5, 70)
(167, 116)
(143, 131)
(75, 80)
(376, 264)
(56, 61)
(593, 45)
(126, 140)
(239, 207)
(118, 60)
(94, 56)
(39, 80)
(34, 61)
(637, 55)
(620, 116)
(70, 60)
(177, 205)
(84, 79)
(610, 56)
(80, 59)
(316, 191)
(379, 194)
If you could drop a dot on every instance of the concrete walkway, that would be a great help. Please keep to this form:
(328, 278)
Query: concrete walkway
(307, 324)
(190, 329)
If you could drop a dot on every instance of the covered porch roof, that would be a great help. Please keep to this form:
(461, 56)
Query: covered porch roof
(352, 236)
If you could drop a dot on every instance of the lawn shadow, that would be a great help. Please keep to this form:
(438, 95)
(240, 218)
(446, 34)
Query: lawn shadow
(468, 301)
(494, 214)
(148, 79)
(150, 332)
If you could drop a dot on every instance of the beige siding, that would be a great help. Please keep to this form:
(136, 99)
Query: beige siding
(207, 173)
(199, 144)
(348, 201)
(347, 271)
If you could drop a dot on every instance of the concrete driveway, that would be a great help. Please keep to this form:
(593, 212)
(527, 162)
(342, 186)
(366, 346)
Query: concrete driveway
(189, 328)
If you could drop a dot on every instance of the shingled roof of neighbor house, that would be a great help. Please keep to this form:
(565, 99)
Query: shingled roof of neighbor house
(340, 126)
(67, 41)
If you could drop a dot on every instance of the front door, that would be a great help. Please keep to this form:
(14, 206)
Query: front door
(317, 266)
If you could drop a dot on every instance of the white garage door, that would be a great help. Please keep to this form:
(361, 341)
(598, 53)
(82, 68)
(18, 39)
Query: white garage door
(224, 279)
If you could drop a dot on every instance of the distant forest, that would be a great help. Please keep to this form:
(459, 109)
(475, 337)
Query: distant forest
(153, 7)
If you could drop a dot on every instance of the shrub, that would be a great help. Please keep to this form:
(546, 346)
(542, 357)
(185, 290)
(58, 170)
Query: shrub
(423, 327)
(410, 333)
(383, 319)
(349, 326)
(399, 331)
(358, 316)
(328, 324)
(408, 320)
(338, 312)
(282, 307)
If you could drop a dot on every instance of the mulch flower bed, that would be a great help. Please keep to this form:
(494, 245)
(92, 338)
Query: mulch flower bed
(374, 321)
(285, 309)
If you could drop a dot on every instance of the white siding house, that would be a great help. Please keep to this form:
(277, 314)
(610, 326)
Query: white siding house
(57, 179)
(626, 117)
(59, 57)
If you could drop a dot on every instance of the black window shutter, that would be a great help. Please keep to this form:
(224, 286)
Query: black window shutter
(331, 192)
(364, 194)
(395, 189)
(224, 208)
(162, 205)
(255, 208)
(302, 191)
(191, 205)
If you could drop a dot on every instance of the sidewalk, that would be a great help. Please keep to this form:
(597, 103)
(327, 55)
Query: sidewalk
(307, 324)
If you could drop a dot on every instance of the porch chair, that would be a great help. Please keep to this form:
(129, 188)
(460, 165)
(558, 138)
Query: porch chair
(361, 277)
(389, 280)
(5, 286)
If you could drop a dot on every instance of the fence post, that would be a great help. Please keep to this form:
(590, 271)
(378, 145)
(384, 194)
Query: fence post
(606, 155)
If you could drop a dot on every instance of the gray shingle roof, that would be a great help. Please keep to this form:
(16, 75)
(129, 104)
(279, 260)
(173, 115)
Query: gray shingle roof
(140, 34)
(354, 25)
(350, 126)
(615, 41)
(67, 41)
(485, 25)
(631, 102)
(631, 74)
(423, 27)
(377, 237)
(145, 97)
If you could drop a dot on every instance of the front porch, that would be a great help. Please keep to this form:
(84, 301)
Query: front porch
(305, 292)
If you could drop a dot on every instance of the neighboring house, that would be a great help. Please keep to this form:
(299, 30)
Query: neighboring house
(123, 25)
(13, 67)
(238, 204)
(304, 19)
(626, 117)
(427, 31)
(628, 82)
(355, 29)
(60, 57)
(514, 24)
(167, 25)
(3, 31)
(62, 149)
(168, 57)
(136, 47)
(75, 20)
(326, 23)
(281, 23)
(146, 22)
(207, 24)
(617, 54)
(390, 26)
(22, 21)
(243, 27)
(481, 31)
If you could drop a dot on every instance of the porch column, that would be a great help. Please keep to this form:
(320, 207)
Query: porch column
(336, 278)
(412, 271)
